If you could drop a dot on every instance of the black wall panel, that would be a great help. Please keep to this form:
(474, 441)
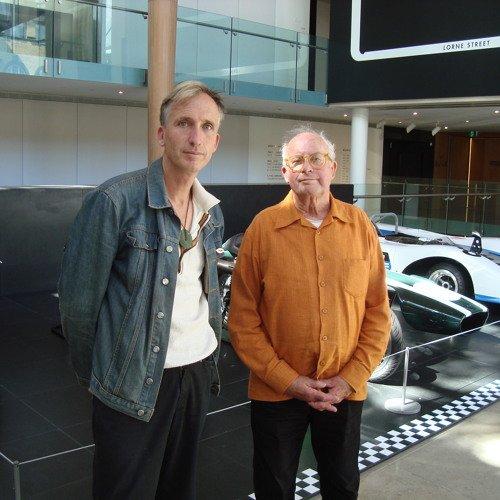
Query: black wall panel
(433, 39)
(241, 203)
(34, 225)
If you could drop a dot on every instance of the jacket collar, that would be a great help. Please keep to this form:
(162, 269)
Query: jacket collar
(287, 213)
(157, 191)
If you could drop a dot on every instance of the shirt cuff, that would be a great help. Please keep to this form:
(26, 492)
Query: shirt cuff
(281, 377)
(355, 374)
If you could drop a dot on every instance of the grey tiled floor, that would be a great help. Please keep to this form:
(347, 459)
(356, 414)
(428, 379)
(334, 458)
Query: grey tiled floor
(43, 411)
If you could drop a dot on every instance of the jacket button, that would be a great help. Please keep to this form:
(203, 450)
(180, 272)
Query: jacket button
(165, 281)
(324, 310)
(322, 283)
(149, 381)
(320, 257)
(169, 249)
(156, 348)
(324, 337)
(140, 413)
(160, 315)
(322, 363)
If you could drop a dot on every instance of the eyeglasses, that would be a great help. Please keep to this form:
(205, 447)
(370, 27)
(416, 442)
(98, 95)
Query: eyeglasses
(316, 160)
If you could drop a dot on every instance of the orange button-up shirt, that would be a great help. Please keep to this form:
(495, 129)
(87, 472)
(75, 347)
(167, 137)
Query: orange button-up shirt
(307, 301)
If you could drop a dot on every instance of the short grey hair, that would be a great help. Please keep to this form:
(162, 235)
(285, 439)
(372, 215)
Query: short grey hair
(307, 129)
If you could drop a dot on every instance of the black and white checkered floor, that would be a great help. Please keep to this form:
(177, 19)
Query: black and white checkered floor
(417, 430)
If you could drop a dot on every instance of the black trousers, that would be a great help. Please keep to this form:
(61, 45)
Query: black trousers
(156, 459)
(278, 433)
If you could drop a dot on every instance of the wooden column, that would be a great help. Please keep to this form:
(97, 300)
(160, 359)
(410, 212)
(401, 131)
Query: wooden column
(162, 26)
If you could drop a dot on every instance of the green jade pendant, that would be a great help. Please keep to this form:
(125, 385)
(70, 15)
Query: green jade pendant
(185, 239)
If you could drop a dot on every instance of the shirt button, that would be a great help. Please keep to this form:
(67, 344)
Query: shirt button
(165, 281)
(140, 413)
(156, 348)
(318, 233)
(160, 315)
(169, 249)
(322, 363)
(322, 283)
(320, 257)
(324, 310)
(325, 337)
(149, 381)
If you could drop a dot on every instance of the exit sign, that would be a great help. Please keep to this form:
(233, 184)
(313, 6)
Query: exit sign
(473, 133)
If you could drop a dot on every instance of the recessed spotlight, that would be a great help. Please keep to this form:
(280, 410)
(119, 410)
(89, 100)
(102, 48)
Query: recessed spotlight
(399, 123)
(121, 92)
(415, 113)
(345, 115)
(446, 128)
(496, 112)
(466, 121)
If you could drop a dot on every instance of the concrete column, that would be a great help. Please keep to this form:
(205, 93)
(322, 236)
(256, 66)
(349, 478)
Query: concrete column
(359, 148)
(162, 27)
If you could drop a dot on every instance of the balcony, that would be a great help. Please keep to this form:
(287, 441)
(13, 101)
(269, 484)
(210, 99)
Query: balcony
(92, 42)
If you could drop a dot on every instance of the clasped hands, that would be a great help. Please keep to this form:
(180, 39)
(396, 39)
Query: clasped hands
(320, 394)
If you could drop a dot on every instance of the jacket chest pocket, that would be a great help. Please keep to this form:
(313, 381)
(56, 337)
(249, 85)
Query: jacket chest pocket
(355, 276)
(141, 250)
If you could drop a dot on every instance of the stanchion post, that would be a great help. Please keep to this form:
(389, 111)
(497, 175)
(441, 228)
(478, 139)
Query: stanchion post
(403, 405)
(17, 480)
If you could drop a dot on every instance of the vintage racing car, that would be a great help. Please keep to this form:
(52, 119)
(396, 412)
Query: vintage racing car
(467, 270)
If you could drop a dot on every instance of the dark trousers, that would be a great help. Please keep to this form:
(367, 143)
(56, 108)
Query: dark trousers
(156, 459)
(278, 433)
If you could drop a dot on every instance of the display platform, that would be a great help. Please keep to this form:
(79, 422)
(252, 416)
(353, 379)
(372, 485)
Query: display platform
(45, 413)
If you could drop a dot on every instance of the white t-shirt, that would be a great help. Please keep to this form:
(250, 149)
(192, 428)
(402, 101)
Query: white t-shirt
(191, 336)
(315, 222)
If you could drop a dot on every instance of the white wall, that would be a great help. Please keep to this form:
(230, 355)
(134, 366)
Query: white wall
(289, 14)
(48, 142)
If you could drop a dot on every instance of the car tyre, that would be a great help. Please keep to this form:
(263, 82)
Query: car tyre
(449, 276)
(389, 366)
(225, 295)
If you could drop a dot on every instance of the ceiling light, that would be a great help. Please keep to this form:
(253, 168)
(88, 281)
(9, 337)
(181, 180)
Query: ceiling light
(410, 127)
(345, 115)
(415, 113)
(496, 112)
(435, 130)
(121, 92)
(380, 124)
(400, 123)
(446, 128)
(466, 121)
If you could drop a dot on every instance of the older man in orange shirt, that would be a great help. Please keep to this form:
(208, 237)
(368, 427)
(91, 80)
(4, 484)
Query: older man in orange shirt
(310, 317)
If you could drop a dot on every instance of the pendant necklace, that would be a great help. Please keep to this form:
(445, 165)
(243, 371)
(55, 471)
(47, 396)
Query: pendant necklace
(185, 238)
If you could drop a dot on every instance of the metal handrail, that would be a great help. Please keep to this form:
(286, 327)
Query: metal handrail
(205, 24)
(449, 196)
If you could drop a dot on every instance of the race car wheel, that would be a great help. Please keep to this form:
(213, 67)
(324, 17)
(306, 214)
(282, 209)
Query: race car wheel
(388, 366)
(449, 276)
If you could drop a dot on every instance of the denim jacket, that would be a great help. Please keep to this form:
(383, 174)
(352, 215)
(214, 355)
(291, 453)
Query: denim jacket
(117, 284)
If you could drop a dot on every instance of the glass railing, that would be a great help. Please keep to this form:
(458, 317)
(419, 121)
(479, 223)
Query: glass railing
(88, 40)
(450, 208)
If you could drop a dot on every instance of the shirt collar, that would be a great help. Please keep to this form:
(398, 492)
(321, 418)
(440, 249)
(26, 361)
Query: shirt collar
(287, 213)
(157, 192)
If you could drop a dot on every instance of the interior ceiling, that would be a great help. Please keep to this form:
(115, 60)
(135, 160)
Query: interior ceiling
(458, 118)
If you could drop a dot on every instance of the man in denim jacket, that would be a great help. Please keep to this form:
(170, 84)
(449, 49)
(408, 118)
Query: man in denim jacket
(141, 310)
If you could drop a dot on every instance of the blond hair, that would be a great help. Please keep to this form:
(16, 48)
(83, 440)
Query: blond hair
(185, 91)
